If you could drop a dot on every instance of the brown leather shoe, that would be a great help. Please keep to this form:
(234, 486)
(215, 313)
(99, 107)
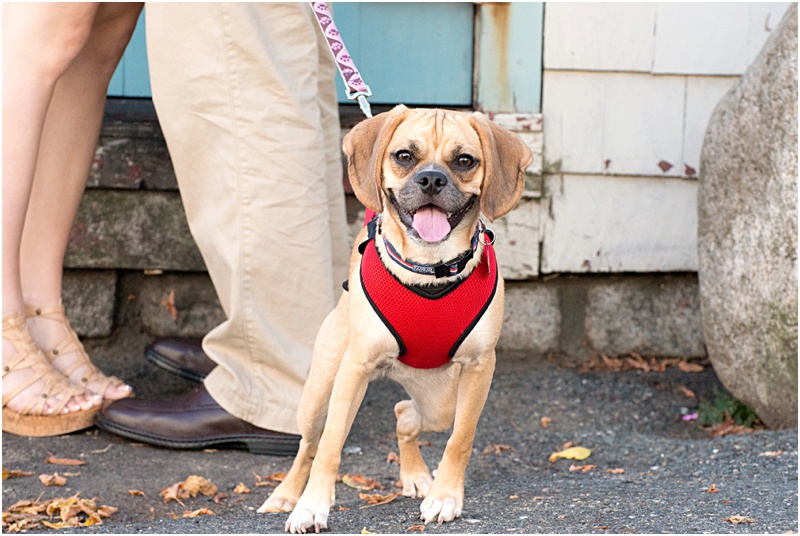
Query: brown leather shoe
(190, 421)
(183, 356)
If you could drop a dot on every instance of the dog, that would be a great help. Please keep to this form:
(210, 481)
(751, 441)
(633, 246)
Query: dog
(428, 174)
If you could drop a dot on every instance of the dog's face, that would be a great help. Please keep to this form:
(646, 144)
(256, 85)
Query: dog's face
(433, 169)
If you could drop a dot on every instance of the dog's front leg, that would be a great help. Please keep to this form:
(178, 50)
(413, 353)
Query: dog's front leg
(445, 500)
(349, 387)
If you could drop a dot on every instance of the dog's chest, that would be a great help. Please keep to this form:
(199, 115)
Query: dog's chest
(428, 327)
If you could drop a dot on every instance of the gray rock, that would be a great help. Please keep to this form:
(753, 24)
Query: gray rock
(196, 307)
(88, 297)
(531, 320)
(747, 223)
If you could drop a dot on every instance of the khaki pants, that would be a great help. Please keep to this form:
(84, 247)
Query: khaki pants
(246, 98)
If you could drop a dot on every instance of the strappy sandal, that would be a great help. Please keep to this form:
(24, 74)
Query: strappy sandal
(92, 375)
(32, 420)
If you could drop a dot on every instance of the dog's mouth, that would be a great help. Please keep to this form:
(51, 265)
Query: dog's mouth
(431, 222)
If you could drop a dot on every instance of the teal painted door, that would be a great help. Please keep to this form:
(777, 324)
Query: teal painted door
(415, 53)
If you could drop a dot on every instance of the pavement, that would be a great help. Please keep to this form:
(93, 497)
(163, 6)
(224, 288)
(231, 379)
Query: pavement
(669, 475)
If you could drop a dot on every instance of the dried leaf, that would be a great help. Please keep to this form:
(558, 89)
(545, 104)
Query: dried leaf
(136, 493)
(376, 499)
(618, 471)
(219, 497)
(169, 304)
(512, 497)
(188, 488)
(737, 520)
(728, 427)
(361, 483)
(276, 477)
(200, 512)
(392, 457)
(688, 393)
(772, 454)
(712, 489)
(424, 443)
(496, 449)
(420, 528)
(365, 531)
(574, 453)
(567, 445)
(581, 468)
(53, 480)
(63, 461)
(72, 512)
(545, 421)
(241, 489)
(260, 482)
(685, 366)
(14, 473)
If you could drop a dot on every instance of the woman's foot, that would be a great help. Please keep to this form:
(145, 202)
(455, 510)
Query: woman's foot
(53, 334)
(37, 399)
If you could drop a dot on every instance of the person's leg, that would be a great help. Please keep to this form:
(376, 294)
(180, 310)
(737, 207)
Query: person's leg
(40, 42)
(69, 137)
(236, 87)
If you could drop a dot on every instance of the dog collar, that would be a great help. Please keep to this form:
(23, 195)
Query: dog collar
(443, 269)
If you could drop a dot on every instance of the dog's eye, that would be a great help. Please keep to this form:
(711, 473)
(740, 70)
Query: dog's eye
(465, 161)
(403, 156)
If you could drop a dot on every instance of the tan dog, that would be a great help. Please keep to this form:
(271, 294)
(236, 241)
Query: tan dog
(429, 173)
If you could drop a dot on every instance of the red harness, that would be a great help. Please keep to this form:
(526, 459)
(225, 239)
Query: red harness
(428, 323)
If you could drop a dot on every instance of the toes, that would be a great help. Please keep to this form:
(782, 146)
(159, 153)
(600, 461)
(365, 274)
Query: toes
(277, 504)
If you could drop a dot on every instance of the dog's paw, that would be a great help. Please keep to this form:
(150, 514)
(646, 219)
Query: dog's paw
(416, 483)
(307, 516)
(442, 505)
(278, 504)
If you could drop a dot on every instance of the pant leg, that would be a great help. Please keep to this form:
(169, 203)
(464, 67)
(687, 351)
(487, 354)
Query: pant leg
(238, 88)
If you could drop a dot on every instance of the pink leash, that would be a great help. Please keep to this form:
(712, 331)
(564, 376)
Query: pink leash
(356, 88)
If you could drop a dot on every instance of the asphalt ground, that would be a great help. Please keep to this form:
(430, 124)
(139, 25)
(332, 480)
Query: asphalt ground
(629, 420)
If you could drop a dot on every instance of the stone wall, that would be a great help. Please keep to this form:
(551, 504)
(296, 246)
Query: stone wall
(130, 242)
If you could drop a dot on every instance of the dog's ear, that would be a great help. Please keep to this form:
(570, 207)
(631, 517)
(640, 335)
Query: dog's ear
(505, 158)
(365, 146)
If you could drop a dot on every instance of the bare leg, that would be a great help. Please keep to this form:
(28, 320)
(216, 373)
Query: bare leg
(68, 141)
(40, 42)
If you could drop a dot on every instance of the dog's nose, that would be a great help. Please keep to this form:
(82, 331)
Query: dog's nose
(431, 182)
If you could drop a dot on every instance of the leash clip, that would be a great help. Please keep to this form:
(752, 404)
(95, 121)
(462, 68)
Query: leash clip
(485, 231)
(361, 98)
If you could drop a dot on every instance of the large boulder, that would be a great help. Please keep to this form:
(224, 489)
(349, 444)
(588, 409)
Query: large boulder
(748, 232)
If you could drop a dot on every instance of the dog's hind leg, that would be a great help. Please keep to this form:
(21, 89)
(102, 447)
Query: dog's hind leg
(312, 412)
(431, 410)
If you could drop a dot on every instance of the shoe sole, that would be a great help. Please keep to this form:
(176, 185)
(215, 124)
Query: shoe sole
(161, 361)
(47, 425)
(276, 446)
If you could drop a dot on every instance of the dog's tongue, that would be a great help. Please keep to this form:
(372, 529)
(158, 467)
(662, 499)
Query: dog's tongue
(431, 223)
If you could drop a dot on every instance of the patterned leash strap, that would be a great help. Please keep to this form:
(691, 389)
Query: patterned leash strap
(356, 88)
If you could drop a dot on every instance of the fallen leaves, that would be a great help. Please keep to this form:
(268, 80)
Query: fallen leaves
(392, 457)
(200, 512)
(728, 427)
(169, 304)
(72, 512)
(376, 499)
(545, 421)
(241, 489)
(581, 468)
(136, 493)
(617, 471)
(63, 461)
(365, 531)
(53, 480)
(496, 449)
(361, 483)
(637, 362)
(712, 489)
(188, 488)
(420, 528)
(573, 453)
(738, 520)
(15, 473)
(772, 454)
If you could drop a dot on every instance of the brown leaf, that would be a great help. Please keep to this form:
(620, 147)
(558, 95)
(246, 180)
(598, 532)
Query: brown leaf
(136, 493)
(545, 421)
(420, 528)
(188, 488)
(728, 427)
(361, 483)
(392, 458)
(200, 512)
(772, 454)
(276, 477)
(568, 445)
(72, 511)
(618, 471)
(688, 393)
(53, 480)
(14, 473)
(365, 531)
(219, 497)
(581, 468)
(496, 449)
(376, 499)
(241, 489)
(169, 303)
(712, 489)
(63, 461)
(424, 443)
(685, 366)
(737, 520)
(260, 482)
